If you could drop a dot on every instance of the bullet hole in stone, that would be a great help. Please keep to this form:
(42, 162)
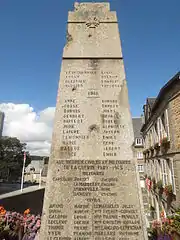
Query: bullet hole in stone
(74, 88)
(93, 127)
(90, 35)
(94, 64)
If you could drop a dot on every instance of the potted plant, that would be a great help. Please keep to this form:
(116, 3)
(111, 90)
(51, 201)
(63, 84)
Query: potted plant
(168, 228)
(149, 177)
(145, 151)
(151, 148)
(156, 145)
(152, 210)
(154, 184)
(168, 190)
(152, 233)
(160, 187)
(164, 143)
(164, 140)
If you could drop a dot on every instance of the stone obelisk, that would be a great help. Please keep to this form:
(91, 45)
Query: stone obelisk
(92, 188)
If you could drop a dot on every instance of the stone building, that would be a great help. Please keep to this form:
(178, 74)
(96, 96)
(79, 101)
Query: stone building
(35, 171)
(139, 147)
(1, 122)
(161, 133)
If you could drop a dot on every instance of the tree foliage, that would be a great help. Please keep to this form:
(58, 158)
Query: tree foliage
(11, 158)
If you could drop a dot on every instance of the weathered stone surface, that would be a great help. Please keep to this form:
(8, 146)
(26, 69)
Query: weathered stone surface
(92, 191)
(94, 32)
(175, 121)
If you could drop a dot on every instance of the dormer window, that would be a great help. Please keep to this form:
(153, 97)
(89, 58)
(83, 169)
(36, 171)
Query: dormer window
(139, 141)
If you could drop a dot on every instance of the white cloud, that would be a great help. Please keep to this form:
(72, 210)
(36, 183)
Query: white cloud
(34, 128)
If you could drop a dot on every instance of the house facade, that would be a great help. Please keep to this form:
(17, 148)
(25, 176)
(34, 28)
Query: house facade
(35, 171)
(161, 133)
(138, 148)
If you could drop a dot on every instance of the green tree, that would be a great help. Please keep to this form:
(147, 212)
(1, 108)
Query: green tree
(11, 158)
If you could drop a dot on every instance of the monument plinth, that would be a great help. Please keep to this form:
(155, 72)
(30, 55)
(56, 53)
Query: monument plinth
(92, 188)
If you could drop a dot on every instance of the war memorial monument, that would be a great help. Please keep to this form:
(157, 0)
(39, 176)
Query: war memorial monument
(92, 190)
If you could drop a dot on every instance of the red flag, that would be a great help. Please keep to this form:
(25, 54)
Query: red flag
(148, 183)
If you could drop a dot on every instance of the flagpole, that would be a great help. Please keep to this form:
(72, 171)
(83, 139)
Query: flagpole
(40, 174)
(23, 169)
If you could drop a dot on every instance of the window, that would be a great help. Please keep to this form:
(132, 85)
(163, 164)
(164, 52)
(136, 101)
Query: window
(160, 130)
(148, 169)
(140, 168)
(163, 126)
(156, 169)
(156, 133)
(139, 141)
(164, 172)
(145, 141)
(159, 170)
(171, 170)
(151, 137)
(167, 124)
(163, 123)
(163, 120)
(153, 169)
(139, 155)
(46, 160)
(149, 140)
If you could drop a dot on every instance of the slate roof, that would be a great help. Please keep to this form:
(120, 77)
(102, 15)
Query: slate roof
(137, 125)
(151, 101)
(174, 81)
(166, 88)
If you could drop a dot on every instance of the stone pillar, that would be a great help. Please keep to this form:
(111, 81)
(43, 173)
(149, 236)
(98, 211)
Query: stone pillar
(92, 190)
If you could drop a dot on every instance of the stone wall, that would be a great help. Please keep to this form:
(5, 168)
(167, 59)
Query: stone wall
(19, 203)
(175, 121)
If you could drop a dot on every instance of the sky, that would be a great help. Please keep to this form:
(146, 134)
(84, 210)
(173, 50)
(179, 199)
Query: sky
(32, 36)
